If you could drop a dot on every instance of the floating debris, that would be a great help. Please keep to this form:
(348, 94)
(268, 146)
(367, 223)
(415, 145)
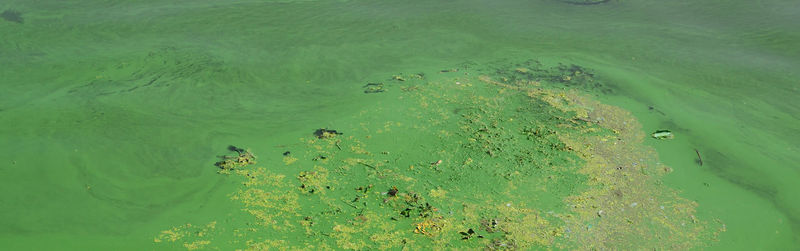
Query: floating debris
(323, 133)
(699, 159)
(653, 108)
(663, 134)
(392, 192)
(468, 234)
(374, 88)
(229, 163)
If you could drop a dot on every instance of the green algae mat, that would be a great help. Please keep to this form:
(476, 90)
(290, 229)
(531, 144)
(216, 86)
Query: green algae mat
(421, 125)
(461, 161)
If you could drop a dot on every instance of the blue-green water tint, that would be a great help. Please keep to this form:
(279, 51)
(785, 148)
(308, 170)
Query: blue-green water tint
(111, 111)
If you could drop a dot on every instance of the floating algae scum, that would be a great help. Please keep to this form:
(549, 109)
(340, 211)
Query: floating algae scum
(113, 114)
(499, 157)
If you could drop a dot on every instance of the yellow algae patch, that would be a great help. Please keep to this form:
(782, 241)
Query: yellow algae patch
(344, 237)
(315, 181)
(192, 237)
(195, 245)
(288, 160)
(358, 149)
(520, 227)
(625, 201)
(438, 193)
(624, 207)
(508, 164)
(268, 197)
(268, 245)
(173, 234)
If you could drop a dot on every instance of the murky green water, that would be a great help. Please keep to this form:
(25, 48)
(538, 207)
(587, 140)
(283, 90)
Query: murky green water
(112, 112)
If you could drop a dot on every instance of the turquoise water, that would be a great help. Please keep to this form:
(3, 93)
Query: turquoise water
(112, 110)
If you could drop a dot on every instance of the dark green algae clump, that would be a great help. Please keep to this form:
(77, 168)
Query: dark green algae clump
(13, 16)
(509, 157)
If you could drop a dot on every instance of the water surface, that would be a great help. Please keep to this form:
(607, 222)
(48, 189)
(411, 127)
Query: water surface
(112, 111)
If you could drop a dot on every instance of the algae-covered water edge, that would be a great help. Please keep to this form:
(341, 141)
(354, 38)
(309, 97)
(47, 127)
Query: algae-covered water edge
(399, 125)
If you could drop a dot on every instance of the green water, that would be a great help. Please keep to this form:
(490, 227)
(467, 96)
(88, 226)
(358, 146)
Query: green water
(112, 112)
